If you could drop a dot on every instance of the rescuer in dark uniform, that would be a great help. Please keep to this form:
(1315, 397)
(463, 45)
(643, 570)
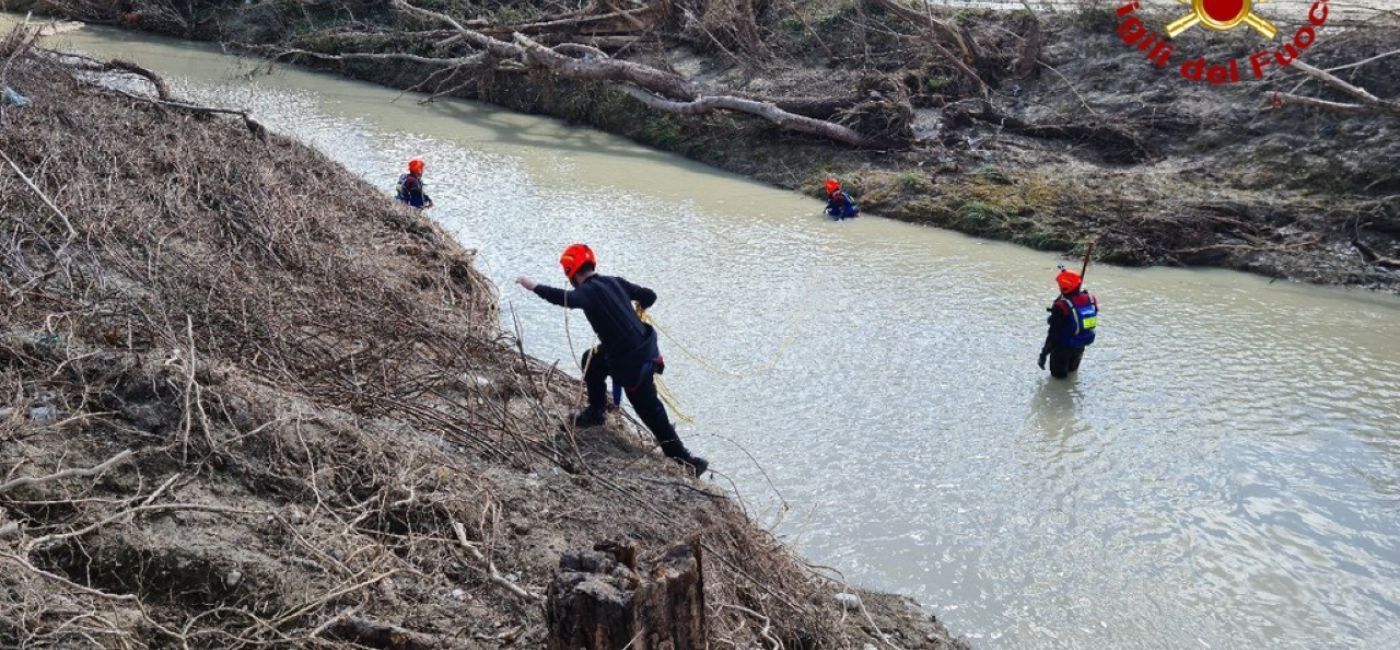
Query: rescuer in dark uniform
(839, 204)
(1072, 320)
(628, 351)
(410, 186)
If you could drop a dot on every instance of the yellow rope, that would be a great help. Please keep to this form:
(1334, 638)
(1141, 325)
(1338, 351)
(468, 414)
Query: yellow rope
(662, 390)
(669, 399)
(756, 370)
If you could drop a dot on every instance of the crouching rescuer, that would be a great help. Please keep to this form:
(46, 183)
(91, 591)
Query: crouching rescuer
(1072, 320)
(839, 204)
(628, 350)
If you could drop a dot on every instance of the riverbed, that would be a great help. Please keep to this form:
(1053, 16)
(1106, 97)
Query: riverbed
(1224, 472)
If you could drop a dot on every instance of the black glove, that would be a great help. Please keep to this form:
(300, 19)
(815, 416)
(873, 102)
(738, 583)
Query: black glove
(1041, 362)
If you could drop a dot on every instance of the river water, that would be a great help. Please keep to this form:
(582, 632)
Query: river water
(1224, 472)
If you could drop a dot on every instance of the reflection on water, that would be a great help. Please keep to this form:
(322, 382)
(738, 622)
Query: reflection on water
(1221, 473)
(1054, 413)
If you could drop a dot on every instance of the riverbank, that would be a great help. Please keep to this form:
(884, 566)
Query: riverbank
(305, 424)
(1090, 143)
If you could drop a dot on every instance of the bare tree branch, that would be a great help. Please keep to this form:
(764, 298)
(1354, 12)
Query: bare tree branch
(1367, 99)
(1280, 100)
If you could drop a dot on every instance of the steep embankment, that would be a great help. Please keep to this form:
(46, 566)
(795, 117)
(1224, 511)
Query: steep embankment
(237, 418)
(1046, 131)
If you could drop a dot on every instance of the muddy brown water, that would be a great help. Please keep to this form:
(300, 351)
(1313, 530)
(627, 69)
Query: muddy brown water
(1224, 472)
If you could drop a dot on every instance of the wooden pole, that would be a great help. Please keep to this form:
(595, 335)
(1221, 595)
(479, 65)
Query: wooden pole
(1087, 252)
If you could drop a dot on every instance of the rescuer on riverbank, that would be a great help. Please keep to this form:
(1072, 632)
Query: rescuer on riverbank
(839, 204)
(628, 350)
(410, 187)
(1072, 320)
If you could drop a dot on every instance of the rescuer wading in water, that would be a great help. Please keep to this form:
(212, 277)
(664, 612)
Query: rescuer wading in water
(1072, 320)
(410, 187)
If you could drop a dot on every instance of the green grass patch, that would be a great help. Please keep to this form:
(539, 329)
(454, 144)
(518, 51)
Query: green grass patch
(990, 174)
(981, 218)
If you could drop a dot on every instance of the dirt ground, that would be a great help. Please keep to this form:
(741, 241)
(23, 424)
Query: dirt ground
(236, 419)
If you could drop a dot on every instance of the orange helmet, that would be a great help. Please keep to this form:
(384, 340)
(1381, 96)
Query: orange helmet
(574, 257)
(1068, 281)
(832, 185)
(415, 166)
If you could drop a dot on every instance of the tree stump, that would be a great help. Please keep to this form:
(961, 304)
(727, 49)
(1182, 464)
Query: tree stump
(599, 600)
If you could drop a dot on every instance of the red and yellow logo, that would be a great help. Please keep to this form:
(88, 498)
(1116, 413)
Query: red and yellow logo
(1220, 16)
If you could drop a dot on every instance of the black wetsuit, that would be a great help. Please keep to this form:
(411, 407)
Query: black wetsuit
(628, 351)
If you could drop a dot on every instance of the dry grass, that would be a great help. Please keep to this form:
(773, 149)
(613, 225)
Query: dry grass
(326, 425)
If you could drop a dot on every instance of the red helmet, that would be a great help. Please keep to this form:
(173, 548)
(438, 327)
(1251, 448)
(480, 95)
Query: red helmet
(1068, 281)
(415, 166)
(832, 185)
(574, 257)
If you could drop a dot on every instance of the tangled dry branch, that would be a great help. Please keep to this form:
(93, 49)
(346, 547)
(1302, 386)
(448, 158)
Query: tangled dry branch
(577, 56)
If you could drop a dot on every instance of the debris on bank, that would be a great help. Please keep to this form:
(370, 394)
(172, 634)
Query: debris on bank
(1036, 125)
(236, 417)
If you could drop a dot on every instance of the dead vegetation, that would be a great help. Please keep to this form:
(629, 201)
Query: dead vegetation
(626, 43)
(250, 402)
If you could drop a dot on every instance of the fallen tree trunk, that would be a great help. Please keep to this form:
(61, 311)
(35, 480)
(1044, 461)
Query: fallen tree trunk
(118, 65)
(820, 108)
(789, 121)
(666, 84)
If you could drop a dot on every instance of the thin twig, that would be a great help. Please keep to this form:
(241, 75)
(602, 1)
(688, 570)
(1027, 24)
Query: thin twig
(72, 232)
